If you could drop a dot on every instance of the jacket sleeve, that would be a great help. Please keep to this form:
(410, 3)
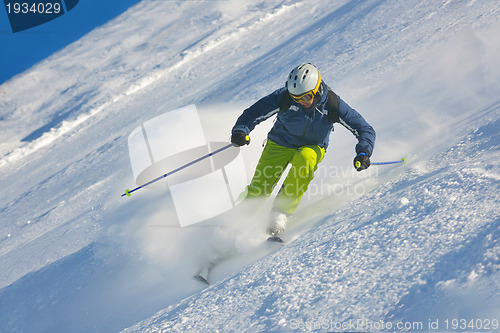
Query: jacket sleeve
(358, 126)
(261, 110)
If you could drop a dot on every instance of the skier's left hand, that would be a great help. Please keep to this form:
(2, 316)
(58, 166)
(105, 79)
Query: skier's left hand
(361, 161)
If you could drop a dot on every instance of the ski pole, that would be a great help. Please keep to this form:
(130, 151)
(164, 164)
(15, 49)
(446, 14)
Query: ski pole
(402, 161)
(129, 192)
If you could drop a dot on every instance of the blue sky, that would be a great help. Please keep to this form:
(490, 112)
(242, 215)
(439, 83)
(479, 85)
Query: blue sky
(19, 51)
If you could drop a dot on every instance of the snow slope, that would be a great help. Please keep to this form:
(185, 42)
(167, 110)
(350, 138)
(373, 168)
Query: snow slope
(409, 244)
(409, 252)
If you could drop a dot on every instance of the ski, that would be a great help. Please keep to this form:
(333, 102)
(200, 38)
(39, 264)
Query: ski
(275, 239)
(201, 279)
(203, 273)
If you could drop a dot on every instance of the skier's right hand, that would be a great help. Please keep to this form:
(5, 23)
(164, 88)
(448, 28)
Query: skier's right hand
(239, 138)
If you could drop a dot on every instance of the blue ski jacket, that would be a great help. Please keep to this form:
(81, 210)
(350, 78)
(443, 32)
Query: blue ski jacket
(297, 126)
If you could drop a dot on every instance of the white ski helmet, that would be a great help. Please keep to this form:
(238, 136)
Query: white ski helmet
(302, 79)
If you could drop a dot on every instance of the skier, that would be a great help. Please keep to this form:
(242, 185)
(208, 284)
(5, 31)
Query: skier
(306, 110)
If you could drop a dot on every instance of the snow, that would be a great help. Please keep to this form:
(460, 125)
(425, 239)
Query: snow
(403, 247)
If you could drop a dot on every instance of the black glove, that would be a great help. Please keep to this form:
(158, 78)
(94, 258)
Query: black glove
(240, 138)
(361, 161)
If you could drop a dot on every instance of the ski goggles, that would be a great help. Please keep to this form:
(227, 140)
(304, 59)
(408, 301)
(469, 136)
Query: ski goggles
(305, 98)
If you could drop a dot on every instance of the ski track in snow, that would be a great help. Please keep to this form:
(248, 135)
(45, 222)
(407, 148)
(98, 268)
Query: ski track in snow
(419, 242)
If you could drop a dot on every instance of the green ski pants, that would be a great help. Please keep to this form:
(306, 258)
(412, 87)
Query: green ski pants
(273, 162)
